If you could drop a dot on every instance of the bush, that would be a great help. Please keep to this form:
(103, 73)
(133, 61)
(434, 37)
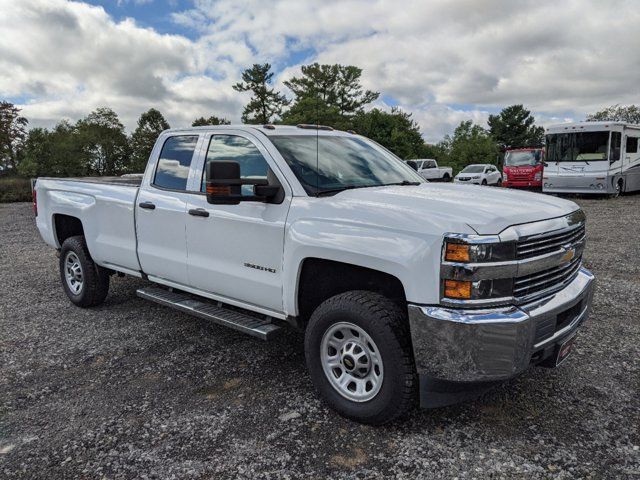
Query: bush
(15, 189)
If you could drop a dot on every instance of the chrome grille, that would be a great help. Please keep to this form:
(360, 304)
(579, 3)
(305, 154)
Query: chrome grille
(549, 242)
(546, 280)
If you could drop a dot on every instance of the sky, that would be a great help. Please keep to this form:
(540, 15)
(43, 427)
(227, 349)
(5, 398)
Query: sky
(443, 61)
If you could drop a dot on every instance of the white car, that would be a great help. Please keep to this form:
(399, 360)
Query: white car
(479, 174)
(429, 170)
(405, 289)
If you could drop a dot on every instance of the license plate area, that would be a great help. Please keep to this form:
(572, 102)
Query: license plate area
(564, 350)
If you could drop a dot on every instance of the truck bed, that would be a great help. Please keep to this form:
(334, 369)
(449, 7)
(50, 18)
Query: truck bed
(133, 180)
(104, 206)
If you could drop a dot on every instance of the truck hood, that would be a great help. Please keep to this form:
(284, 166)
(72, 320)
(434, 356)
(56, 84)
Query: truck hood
(486, 210)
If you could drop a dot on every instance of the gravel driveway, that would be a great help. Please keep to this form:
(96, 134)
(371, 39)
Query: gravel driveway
(135, 390)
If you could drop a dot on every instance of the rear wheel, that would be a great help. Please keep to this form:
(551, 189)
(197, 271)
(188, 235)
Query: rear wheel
(499, 182)
(358, 352)
(85, 283)
(446, 177)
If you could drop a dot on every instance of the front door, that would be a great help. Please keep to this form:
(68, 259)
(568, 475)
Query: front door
(161, 212)
(235, 251)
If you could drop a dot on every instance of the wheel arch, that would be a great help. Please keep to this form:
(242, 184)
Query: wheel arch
(320, 279)
(66, 226)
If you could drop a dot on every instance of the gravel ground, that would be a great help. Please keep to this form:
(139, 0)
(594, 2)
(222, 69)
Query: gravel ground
(135, 390)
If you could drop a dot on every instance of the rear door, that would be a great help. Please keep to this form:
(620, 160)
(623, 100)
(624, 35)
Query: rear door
(235, 251)
(631, 162)
(161, 211)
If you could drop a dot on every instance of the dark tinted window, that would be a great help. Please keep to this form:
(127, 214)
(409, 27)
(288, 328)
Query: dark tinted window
(237, 149)
(632, 145)
(175, 159)
(616, 142)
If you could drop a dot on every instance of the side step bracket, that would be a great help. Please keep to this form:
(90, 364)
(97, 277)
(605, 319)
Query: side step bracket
(259, 326)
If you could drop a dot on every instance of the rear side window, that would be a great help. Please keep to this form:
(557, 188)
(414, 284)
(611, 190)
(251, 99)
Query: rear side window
(172, 171)
(632, 145)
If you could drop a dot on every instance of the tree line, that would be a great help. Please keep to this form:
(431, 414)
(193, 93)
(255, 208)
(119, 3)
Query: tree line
(321, 94)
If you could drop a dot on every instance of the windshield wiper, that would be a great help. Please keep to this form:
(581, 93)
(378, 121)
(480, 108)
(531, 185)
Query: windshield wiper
(346, 187)
(403, 183)
(351, 187)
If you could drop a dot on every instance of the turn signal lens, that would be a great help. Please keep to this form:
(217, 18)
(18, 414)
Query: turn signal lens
(457, 289)
(457, 252)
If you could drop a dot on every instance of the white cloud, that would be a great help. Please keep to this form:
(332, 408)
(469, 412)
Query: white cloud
(441, 60)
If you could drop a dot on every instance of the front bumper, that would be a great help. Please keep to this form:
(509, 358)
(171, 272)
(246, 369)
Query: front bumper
(580, 184)
(471, 346)
(522, 183)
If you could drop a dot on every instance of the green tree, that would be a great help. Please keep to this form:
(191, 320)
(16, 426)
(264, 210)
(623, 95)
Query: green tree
(514, 126)
(469, 144)
(212, 120)
(266, 104)
(55, 153)
(617, 113)
(327, 94)
(395, 130)
(150, 124)
(103, 142)
(13, 131)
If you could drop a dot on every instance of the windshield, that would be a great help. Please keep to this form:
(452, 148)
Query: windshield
(522, 158)
(326, 162)
(473, 169)
(577, 146)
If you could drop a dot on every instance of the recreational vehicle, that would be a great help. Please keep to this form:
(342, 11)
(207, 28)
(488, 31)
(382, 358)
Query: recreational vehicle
(592, 157)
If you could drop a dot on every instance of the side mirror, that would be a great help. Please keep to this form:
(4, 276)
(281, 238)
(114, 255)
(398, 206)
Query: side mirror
(224, 185)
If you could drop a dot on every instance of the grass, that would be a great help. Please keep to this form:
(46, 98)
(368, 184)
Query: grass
(15, 189)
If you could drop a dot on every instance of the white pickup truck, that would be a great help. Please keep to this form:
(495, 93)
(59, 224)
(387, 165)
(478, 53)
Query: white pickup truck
(407, 291)
(429, 170)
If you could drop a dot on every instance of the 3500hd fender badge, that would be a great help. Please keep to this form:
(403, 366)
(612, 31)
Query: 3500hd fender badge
(260, 267)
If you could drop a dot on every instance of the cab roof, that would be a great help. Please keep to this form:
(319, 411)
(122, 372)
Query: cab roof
(270, 130)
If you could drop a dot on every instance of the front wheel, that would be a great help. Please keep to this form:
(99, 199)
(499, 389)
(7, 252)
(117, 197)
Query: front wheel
(85, 283)
(358, 352)
(484, 182)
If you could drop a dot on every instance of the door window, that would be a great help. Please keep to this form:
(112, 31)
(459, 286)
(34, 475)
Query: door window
(236, 149)
(172, 171)
(616, 140)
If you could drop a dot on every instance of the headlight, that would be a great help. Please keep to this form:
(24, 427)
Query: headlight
(476, 176)
(538, 176)
(473, 269)
(478, 290)
(460, 251)
(505, 175)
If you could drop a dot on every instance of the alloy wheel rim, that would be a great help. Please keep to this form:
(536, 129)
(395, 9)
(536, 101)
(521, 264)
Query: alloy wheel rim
(73, 273)
(351, 362)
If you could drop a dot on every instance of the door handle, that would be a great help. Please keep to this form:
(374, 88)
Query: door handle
(198, 212)
(147, 205)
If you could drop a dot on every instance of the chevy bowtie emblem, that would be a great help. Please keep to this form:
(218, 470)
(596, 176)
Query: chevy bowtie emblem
(569, 254)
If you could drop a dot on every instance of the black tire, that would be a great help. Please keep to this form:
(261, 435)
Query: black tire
(484, 182)
(446, 177)
(618, 190)
(95, 279)
(499, 183)
(388, 327)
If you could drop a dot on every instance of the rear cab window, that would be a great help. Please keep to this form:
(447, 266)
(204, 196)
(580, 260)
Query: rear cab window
(172, 171)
